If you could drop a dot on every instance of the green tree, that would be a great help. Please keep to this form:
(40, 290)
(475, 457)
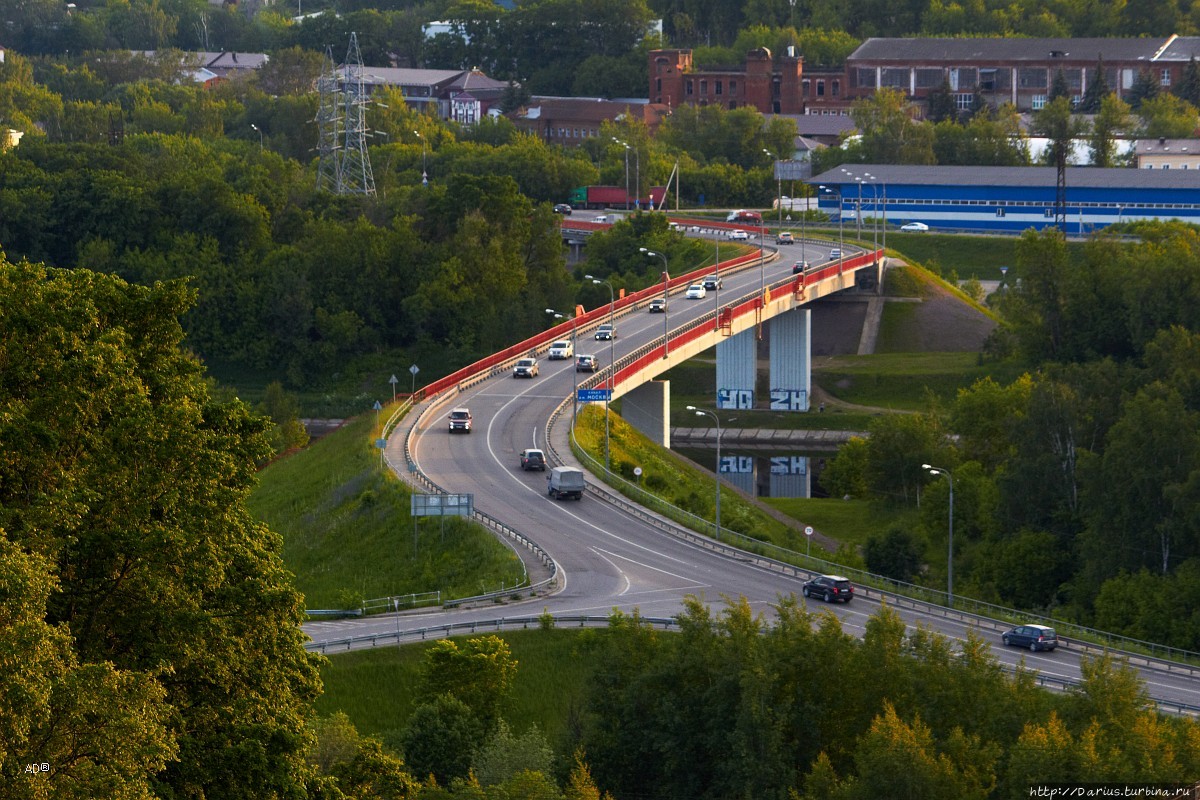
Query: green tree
(1056, 122)
(846, 474)
(889, 134)
(1113, 117)
(506, 754)
(479, 673)
(899, 444)
(1188, 88)
(1097, 89)
(440, 739)
(136, 502)
(1059, 86)
(1145, 87)
(941, 104)
(1166, 115)
(896, 553)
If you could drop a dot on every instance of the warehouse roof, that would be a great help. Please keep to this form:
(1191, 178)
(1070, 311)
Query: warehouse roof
(908, 51)
(1077, 177)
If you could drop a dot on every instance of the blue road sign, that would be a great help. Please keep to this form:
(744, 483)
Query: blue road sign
(593, 395)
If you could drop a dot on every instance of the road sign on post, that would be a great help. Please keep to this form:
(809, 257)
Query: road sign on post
(594, 395)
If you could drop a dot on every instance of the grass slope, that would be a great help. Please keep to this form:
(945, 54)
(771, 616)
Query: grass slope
(347, 532)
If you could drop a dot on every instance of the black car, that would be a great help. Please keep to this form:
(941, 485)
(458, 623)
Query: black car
(585, 363)
(799, 267)
(712, 283)
(533, 459)
(562, 208)
(1035, 637)
(605, 332)
(829, 588)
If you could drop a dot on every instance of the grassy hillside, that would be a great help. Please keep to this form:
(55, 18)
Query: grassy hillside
(347, 532)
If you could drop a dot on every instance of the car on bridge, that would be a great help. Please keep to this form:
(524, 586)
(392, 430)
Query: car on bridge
(695, 292)
(560, 350)
(835, 254)
(585, 363)
(1035, 637)
(829, 588)
(657, 306)
(799, 267)
(525, 368)
(605, 332)
(785, 237)
(562, 208)
(460, 420)
(712, 283)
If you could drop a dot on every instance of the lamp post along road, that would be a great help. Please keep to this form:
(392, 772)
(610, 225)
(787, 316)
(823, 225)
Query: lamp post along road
(626, 146)
(700, 412)
(424, 169)
(574, 371)
(259, 132)
(950, 555)
(612, 364)
(666, 287)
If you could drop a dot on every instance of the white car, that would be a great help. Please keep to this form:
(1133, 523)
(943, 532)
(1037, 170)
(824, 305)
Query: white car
(915, 227)
(737, 233)
(835, 254)
(560, 350)
(696, 292)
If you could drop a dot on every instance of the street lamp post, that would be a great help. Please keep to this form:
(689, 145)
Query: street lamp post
(700, 412)
(259, 132)
(950, 556)
(626, 146)
(666, 287)
(424, 169)
(874, 209)
(612, 365)
(574, 372)
(778, 186)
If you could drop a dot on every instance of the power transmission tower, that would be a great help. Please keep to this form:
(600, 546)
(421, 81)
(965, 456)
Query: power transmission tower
(354, 168)
(1060, 197)
(329, 132)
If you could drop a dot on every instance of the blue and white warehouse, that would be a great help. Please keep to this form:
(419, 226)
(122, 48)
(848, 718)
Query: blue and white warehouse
(1009, 199)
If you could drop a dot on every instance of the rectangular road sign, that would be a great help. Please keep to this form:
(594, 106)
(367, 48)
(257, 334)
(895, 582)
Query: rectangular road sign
(593, 395)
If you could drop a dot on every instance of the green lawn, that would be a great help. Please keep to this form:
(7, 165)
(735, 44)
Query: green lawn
(378, 689)
(347, 532)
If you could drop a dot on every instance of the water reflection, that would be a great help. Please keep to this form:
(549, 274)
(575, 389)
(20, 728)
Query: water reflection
(764, 474)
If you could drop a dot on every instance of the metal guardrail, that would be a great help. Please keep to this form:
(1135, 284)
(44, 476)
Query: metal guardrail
(477, 626)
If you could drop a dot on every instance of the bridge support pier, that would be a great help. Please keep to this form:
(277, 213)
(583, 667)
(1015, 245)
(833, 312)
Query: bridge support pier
(791, 360)
(648, 409)
(737, 369)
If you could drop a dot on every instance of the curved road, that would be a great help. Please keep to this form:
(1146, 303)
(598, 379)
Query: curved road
(610, 559)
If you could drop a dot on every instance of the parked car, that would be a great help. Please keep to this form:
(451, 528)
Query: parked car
(785, 237)
(1035, 637)
(799, 267)
(533, 459)
(737, 233)
(712, 283)
(525, 368)
(695, 292)
(561, 349)
(562, 208)
(605, 332)
(915, 227)
(657, 306)
(460, 420)
(586, 363)
(829, 588)
(834, 254)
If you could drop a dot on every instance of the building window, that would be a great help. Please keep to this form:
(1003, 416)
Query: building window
(1032, 78)
(704, 87)
(1049, 212)
(820, 88)
(732, 104)
(1166, 166)
(688, 88)
(658, 84)
(894, 78)
(999, 212)
(804, 87)
(865, 78)
(733, 87)
(836, 86)
(1039, 102)
(964, 102)
(718, 87)
(1165, 78)
(928, 78)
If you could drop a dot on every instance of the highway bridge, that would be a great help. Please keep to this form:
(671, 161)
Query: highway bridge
(605, 553)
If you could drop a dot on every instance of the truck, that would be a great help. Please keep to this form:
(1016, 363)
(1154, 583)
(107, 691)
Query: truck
(614, 197)
(565, 482)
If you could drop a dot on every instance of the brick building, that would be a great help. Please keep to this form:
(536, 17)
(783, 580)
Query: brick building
(763, 82)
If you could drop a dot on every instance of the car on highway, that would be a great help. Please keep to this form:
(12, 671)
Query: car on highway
(605, 332)
(603, 218)
(835, 253)
(829, 588)
(657, 306)
(737, 234)
(914, 227)
(785, 237)
(712, 283)
(533, 458)
(586, 363)
(560, 350)
(525, 368)
(799, 267)
(562, 208)
(695, 292)
(460, 420)
(1035, 637)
